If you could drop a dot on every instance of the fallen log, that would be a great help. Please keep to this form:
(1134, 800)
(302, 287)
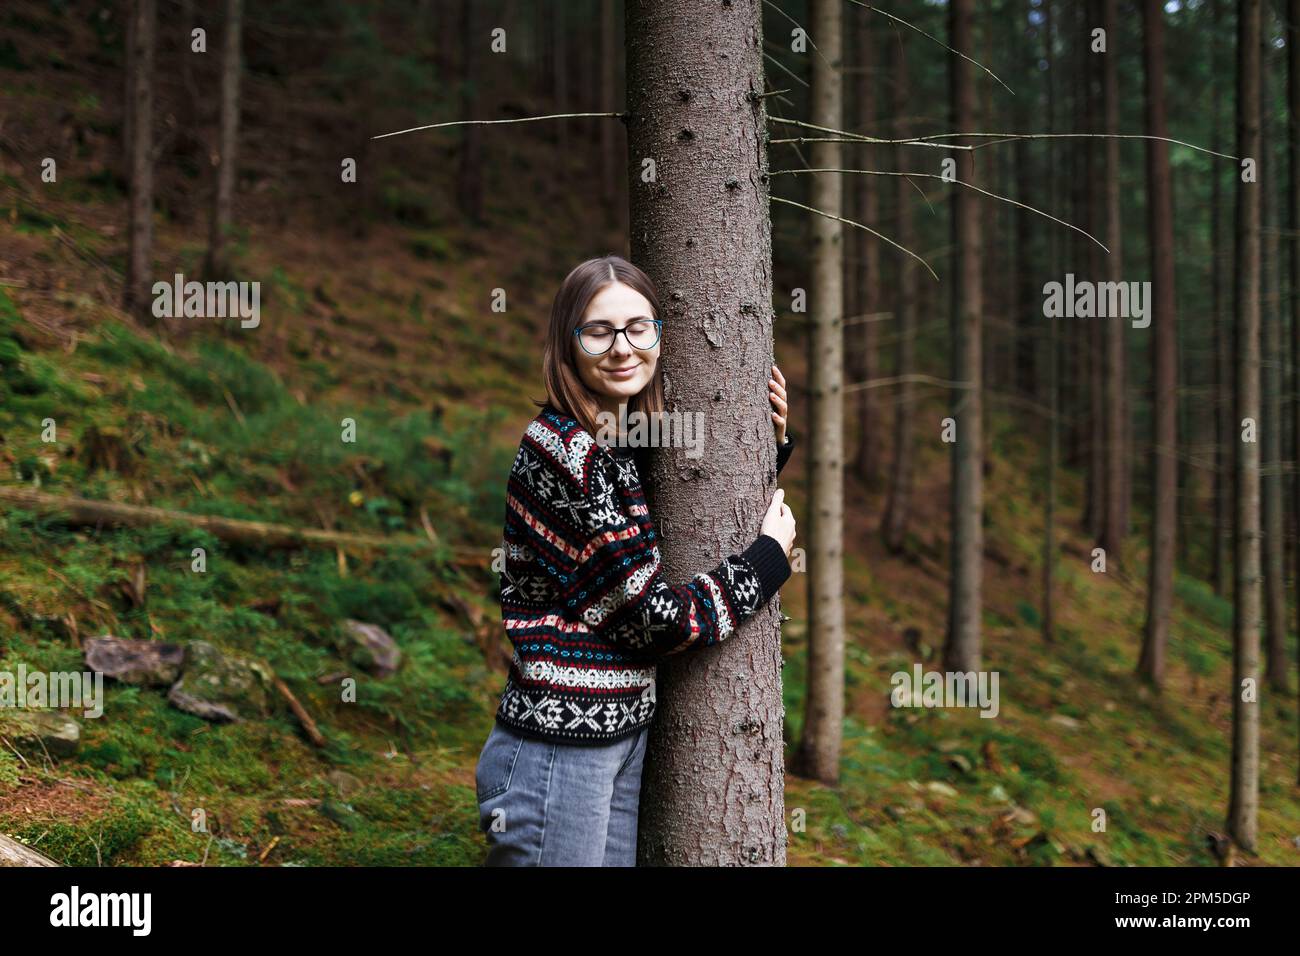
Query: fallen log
(87, 511)
(304, 718)
(13, 853)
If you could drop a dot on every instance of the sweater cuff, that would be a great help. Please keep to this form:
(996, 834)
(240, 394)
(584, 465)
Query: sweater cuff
(783, 452)
(770, 564)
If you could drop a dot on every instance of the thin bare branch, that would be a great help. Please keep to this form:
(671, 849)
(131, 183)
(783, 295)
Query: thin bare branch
(794, 76)
(801, 27)
(875, 9)
(899, 379)
(521, 119)
(984, 192)
(850, 222)
(861, 137)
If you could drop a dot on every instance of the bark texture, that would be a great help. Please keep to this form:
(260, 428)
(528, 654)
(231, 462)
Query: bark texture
(1243, 803)
(139, 256)
(819, 749)
(713, 791)
(1164, 353)
(962, 650)
(227, 148)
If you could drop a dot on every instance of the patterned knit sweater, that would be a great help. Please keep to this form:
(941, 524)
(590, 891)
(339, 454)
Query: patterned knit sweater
(583, 598)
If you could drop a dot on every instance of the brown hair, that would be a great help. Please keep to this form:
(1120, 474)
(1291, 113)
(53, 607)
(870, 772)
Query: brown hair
(565, 390)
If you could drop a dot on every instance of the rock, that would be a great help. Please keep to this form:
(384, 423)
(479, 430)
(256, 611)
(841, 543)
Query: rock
(345, 783)
(41, 731)
(219, 686)
(1099, 856)
(997, 792)
(959, 762)
(940, 789)
(375, 650)
(1065, 721)
(148, 663)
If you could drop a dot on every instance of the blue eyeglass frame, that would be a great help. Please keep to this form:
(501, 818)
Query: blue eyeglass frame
(659, 332)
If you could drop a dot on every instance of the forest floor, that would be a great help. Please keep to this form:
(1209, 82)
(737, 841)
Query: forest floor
(389, 330)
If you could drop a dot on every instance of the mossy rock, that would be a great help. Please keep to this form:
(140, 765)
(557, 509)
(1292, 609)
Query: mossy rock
(220, 686)
(42, 731)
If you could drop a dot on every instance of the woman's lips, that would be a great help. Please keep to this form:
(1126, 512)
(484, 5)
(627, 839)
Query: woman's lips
(624, 373)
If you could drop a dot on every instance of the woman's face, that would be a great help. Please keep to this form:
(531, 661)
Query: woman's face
(622, 372)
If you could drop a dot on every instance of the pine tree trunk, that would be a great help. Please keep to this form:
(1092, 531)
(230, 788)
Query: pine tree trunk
(469, 178)
(1164, 353)
(1223, 430)
(1293, 197)
(139, 257)
(867, 277)
(898, 507)
(1271, 425)
(713, 791)
(1052, 445)
(1112, 538)
(962, 648)
(222, 211)
(1243, 803)
(610, 155)
(819, 749)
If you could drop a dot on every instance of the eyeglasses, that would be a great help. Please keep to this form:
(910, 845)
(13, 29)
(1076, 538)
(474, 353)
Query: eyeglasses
(597, 339)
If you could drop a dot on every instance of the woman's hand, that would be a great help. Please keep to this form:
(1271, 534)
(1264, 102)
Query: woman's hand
(778, 523)
(776, 395)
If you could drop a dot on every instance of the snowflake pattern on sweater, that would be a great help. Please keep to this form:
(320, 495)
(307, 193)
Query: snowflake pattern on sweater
(584, 600)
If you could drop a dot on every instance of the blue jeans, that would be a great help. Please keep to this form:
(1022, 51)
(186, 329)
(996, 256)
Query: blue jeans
(545, 804)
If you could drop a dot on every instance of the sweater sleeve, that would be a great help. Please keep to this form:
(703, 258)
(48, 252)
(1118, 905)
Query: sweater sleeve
(609, 576)
(783, 452)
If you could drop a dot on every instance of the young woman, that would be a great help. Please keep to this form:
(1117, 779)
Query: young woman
(583, 598)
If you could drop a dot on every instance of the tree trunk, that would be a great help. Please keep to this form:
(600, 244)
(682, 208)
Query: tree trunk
(1164, 353)
(218, 265)
(139, 257)
(13, 853)
(1224, 437)
(470, 174)
(894, 526)
(1271, 425)
(610, 155)
(866, 265)
(713, 791)
(1243, 802)
(1112, 537)
(1293, 197)
(818, 756)
(1051, 446)
(962, 648)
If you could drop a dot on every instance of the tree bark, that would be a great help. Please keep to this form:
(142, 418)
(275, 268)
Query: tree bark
(713, 791)
(818, 756)
(139, 257)
(1115, 461)
(218, 264)
(13, 853)
(1293, 198)
(962, 648)
(1271, 425)
(865, 263)
(1224, 432)
(469, 178)
(898, 506)
(1243, 802)
(1164, 352)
